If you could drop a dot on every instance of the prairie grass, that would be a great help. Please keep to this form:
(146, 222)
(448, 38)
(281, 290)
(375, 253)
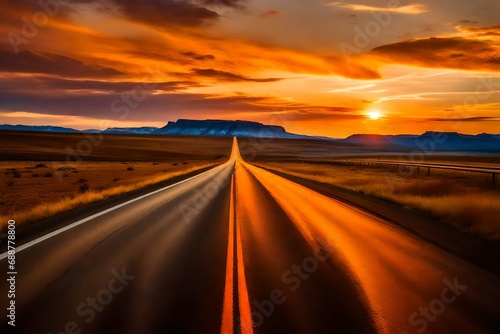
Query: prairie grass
(48, 206)
(465, 200)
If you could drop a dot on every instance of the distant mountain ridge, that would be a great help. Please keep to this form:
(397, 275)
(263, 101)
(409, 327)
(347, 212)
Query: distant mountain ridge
(429, 141)
(225, 128)
(39, 128)
(145, 130)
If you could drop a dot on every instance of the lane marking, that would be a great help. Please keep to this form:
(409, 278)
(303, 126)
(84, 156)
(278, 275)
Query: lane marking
(246, 323)
(84, 220)
(227, 326)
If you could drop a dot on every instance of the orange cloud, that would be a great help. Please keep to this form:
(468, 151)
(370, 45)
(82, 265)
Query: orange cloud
(408, 9)
(452, 52)
(482, 31)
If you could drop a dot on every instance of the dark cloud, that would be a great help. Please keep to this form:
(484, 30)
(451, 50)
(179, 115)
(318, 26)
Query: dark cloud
(205, 57)
(154, 107)
(457, 53)
(196, 56)
(157, 13)
(467, 22)
(165, 13)
(51, 84)
(49, 63)
(229, 3)
(162, 14)
(468, 119)
(224, 76)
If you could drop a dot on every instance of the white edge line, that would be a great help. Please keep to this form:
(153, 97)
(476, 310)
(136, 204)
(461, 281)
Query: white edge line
(84, 220)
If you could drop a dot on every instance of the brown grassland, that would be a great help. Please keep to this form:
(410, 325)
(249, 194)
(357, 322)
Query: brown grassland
(466, 200)
(38, 180)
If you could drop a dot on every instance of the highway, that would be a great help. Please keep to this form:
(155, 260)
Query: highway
(238, 249)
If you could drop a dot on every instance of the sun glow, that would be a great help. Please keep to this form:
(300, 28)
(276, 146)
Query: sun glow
(374, 114)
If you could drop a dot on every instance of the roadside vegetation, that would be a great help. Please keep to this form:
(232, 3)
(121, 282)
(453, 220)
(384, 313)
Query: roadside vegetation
(32, 191)
(466, 200)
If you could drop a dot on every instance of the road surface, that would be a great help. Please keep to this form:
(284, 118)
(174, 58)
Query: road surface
(238, 249)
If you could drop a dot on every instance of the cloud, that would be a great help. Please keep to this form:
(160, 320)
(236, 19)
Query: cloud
(453, 52)
(154, 107)
(165, 13)
(304, 112)
(224, 76)
(467, 22)
(160, 14)
(467, 119)
(408, 9)
(54, 64)
(482, 31)
(57, 85)
(270, 12)
(205, 57)
(196, 56)
(156, 13)
(229, 3)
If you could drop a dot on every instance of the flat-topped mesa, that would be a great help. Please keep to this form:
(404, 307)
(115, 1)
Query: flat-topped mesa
(225, 128)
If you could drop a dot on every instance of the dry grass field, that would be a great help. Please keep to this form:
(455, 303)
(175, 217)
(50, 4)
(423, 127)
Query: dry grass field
(38, 180)
(466, 200)
(38, 146)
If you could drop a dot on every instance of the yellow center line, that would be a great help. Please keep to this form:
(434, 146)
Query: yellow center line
(245, 309)
(227, 311)
(245, 312)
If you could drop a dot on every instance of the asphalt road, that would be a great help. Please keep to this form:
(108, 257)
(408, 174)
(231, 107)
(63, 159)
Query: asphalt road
(238, 249)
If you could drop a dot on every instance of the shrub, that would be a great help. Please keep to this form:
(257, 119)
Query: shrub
(10, 183)
(84, 188)
(130, 168)
(82, 180)
(116, 179)
(47, 175)
(35, 175)
(40, 165)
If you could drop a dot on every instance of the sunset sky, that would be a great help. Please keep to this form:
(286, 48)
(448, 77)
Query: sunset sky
(317, 67)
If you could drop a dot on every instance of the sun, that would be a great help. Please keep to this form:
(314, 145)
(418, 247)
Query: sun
(374, 114)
